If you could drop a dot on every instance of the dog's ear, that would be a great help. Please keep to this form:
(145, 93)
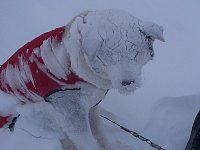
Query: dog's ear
(90, 53)
(154, 31)
(91, 49)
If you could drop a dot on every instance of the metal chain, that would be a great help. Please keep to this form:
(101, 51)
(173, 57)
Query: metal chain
(148, 141)
(135, 134)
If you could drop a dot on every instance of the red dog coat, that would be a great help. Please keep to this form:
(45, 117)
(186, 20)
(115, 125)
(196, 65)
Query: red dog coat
(26, 75)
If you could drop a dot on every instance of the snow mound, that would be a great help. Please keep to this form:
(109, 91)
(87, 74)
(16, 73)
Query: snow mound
(171, 121)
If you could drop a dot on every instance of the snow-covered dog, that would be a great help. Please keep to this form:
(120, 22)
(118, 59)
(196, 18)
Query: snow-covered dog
(73, 67)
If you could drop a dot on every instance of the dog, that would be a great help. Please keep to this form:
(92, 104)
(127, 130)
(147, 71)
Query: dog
(71, 69)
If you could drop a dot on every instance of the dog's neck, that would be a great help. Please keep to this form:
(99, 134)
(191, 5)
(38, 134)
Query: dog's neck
(81, 68)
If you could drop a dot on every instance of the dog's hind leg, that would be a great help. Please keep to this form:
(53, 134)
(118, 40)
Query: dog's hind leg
(67, 143)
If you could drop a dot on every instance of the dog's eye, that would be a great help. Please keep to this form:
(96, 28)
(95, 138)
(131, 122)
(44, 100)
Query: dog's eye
(152, 53)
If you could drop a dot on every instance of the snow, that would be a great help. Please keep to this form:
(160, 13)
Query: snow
(48, 56)
(172, 73)
(121, 45)
(8, 103)
(171, 119)
(154, 31)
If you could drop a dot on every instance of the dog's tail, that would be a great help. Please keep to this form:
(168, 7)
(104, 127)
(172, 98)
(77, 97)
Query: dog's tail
(8, 122)
(3, 121)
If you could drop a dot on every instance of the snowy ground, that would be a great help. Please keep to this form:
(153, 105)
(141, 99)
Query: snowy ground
(173, 72)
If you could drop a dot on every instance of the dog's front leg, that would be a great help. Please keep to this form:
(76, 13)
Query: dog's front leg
(98, 130)
(75, 125)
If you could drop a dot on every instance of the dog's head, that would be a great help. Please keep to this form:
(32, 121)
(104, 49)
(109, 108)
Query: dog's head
(112, 45)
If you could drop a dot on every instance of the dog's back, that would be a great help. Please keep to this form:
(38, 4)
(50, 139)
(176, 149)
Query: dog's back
(27, 73)
(34, 70)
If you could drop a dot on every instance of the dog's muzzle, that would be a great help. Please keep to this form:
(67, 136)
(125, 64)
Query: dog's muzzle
(129, 82)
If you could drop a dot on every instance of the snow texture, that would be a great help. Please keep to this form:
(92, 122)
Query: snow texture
(173, 73)
(55, 58)
(113, 50)
(121, 45)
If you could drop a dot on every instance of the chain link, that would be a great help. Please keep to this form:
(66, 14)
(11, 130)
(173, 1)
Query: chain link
(136, 135)
(152, 144)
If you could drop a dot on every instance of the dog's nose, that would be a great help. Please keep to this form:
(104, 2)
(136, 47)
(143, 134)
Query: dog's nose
(127, 82)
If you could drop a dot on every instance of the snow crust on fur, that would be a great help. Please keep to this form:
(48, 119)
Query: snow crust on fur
(16, 77)
(107, 41)
(8, 104)
(55, 58)
(56, 66)
(79, 63)
(154, 30)
(66, 117)
(104, 48)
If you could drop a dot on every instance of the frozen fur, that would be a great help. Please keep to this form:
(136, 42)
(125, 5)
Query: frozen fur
(107, 49)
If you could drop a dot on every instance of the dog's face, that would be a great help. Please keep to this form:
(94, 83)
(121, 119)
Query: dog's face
(116, 45)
